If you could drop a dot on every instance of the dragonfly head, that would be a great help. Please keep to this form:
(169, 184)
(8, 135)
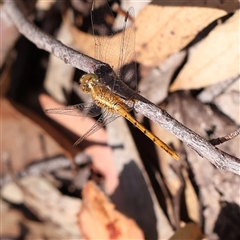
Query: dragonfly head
(88, 81)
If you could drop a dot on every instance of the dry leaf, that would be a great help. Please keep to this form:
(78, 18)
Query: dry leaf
(58, 79)
(227, 5)
(229, 102)
(5, 77)
(192, 202)
(83, 42)
(7, 191)
(15, 221)
(10, 226)
(10, 33)
(134, 180)
(99, 220)
(215, 185)
(44, 5)
(190, 231)
(50, 205)
(226, 96)
(155, 84)
(23, 139)
(215, 59)
(174, 27)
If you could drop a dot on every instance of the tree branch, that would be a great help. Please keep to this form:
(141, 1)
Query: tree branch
(205, 149)
(46, 42)
(85, 63)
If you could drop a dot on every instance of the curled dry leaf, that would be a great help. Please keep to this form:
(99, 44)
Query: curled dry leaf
(214, 60)
(48, 204)
(99, 220)
(174, 27)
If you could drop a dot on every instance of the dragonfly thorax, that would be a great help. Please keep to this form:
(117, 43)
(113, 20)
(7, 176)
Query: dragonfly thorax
(88, 81)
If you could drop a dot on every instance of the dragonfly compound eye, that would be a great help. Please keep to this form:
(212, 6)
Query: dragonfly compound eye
(88, 81)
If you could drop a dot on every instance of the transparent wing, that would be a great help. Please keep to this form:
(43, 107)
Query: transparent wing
(78, 110)
(127, 65)
(117, 50)
(102, 29)
(104, 119)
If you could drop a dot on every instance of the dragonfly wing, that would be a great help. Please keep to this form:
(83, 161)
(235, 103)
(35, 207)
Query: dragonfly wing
(78, 110)
(116, 50)
(127, 65)
(103, 120)
(107, 44)
(101, 29)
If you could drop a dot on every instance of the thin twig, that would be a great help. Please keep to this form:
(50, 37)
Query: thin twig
(205, 149)
(44, 41)
(228, 137)
(38, 168)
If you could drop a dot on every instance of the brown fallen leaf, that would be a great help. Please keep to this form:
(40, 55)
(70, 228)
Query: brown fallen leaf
(23, 139)
(58, 78)
(190, 231)
(229, 102)
(48, 204)
(99, 220)
(15, 221)
(5, 79)
(225, 95)
(192, 201)
(44, 5)
(155, 81)
(215, 59)
(10, 226)
(215, 185)
(134, 181)
(10, 33)
(174, 27)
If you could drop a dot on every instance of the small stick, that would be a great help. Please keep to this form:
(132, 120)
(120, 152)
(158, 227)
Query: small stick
(228, 137)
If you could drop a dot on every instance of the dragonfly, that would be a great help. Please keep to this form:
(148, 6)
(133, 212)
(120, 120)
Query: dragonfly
(111, 102)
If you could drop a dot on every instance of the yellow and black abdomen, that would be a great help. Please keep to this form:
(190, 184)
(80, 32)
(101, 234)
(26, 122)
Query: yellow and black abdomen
(121, 110)
(112, 103)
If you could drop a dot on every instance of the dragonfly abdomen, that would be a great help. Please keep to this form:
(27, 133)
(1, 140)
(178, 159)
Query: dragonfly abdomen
(123, 112)
(112, 103)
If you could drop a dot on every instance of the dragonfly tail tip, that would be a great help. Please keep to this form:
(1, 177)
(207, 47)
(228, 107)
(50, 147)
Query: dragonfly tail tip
(176, 157)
